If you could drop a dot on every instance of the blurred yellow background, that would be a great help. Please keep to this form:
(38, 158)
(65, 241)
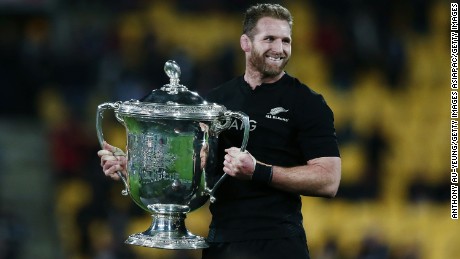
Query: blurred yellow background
(384, 68)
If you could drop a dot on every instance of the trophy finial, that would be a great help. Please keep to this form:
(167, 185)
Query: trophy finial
(172, 69)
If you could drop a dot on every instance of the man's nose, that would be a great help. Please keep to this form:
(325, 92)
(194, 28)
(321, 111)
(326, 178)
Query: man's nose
(277, 46)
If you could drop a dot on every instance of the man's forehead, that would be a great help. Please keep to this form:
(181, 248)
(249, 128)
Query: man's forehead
(269, 25)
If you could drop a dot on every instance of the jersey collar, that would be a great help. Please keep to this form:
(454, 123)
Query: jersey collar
(246, 88)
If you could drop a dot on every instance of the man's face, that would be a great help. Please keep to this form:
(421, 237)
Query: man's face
(271, 46)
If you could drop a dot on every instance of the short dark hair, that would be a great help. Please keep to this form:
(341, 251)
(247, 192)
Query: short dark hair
(254, 13)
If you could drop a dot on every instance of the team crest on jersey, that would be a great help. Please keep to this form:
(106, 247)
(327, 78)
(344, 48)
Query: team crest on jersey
(274, 114)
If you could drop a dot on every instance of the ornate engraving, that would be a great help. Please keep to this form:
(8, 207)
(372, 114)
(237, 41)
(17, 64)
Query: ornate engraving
(155, 110)
(153, 156)
(164, 240)
(156, 154)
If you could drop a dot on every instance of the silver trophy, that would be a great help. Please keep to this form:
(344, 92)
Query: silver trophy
(171, 152)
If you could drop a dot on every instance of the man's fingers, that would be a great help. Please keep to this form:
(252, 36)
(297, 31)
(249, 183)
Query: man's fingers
(113, 160)
(110, 163)
(107, 146)
(227, 164)
(109, 158)
(118, 152)
(228, 171)
(232, 151)
(103, 152)
(114, 176)
(112, 170)
(122, 159)
(228, 158)
(106, 158)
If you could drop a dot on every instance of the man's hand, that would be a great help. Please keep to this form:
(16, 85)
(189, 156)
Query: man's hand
(239, 164)
(113, 160)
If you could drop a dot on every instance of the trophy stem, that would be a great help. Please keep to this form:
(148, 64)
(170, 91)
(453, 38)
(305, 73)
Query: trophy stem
(168, 231)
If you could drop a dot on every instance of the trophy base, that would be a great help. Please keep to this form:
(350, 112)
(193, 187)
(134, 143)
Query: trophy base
(164, 241)
(168, 231)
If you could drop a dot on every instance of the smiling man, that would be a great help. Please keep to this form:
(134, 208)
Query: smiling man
(292, 148)
(268, 48)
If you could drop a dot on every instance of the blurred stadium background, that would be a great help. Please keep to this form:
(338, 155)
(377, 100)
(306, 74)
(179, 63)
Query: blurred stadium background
(383, 67)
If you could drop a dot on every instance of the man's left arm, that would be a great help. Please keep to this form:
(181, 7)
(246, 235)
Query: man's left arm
(319, 177)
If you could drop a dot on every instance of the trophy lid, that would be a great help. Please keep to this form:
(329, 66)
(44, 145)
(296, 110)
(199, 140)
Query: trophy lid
(173, 101)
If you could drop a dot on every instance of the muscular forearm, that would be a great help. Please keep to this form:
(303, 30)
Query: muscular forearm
(320, 177)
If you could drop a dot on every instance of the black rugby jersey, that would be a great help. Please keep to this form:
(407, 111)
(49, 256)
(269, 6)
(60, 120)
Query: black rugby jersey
(290, 124)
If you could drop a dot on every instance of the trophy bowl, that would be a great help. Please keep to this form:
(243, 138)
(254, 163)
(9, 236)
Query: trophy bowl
(171, 157)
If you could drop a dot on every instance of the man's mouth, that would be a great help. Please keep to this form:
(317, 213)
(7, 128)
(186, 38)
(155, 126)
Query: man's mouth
(276, 59)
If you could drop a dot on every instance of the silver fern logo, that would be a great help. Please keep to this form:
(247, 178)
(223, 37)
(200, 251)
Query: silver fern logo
(277, 110)
(273, 114)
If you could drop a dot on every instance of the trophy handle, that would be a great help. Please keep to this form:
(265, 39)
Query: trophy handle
(100, 136)
(245, 119)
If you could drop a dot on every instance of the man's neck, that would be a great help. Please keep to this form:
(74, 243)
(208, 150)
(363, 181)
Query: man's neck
(255, 79)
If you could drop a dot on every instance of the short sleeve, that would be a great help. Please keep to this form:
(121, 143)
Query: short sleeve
(315, 121)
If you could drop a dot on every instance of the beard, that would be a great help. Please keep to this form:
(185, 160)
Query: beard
(259, 63)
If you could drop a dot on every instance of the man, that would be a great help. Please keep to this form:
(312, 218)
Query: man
(292, 149)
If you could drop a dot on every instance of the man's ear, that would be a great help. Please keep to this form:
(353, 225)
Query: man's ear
(245, 43)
